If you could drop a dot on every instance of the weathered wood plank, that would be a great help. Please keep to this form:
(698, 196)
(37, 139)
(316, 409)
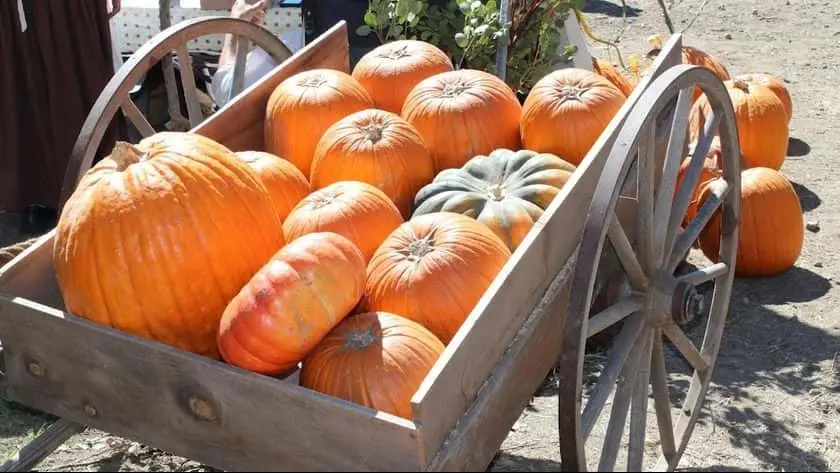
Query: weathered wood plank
(31, 274)
(189, 405)
(31, 455)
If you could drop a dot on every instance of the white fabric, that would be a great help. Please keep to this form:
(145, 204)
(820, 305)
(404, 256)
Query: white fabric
(257, 64)
(21, 16)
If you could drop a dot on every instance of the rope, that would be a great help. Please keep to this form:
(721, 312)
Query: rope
(8, 253)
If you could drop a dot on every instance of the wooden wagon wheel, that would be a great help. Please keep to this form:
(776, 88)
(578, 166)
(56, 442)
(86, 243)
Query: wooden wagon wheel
(115, 96)
(659, 301)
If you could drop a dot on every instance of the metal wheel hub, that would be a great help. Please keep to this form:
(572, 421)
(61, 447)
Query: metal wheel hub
(686, 303)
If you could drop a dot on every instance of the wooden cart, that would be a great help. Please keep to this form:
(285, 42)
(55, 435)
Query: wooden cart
(562, 285)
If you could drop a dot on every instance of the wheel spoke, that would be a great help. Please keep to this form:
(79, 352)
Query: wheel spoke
(618, 356)
(719, 191)
(242, 44)
(626, 255)
(644, 196)
(686, 347)
(614, 314)
(135, 116)
(661, 398)
(188, 83)
(704, 275)
(638, 412)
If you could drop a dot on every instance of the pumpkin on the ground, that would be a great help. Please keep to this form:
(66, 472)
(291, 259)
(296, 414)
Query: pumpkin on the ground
(292, 303)
(607, 70)
(302, 107)
(566, 111)
(771, 231)
(505, 190)
(433, 269)
(389, 71)
(463, 113)
(375, 359)
(694, 56)
(356, 210)
(376, 147)
(151, 242)
(286, 184)
(775, 84)
(710, 170)
(760, 117)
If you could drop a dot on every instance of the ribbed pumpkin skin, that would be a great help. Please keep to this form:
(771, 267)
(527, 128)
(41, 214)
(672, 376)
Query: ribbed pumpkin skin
(286, 184)
(775, 84)
(761, 120)
(566, 111)
(355, 210)
(697, 57)
(463, 113)
(376, 147)
(771, 232)
(612, 74)
(389, 71)
(433, 269)
(156, 249)
(291, 303)
(303, 106)
(505, 190)
(374, 359)
(710, 170)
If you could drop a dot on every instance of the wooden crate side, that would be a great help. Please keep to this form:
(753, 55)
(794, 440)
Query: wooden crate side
(189, 405)
(239, 124)
(31, 274)
(466, 364)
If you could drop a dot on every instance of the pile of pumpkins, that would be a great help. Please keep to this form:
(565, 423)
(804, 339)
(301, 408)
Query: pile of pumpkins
(356, 243)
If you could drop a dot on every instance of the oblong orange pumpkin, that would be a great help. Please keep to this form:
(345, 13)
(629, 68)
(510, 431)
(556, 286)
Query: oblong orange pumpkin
(389, 71)
(356, 210)
(433, 269)
(292, 303)
(463, 113)
(303, 106)
(286, 184)
(612, 74)
(374, 359)
(771, 231)
(566, 111)
(775, 84)
(151, 240)
(376, 147)
(761, 120)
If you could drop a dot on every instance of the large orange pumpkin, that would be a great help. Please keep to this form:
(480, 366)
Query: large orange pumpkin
(710, 169)
(292, 303)
(693, 56)
(389, 71)
(771, 232)
(376, 147)
(463, 113)
(761, 120)
(566, 111)
(356, 210)
(607, 70)
(775, 84)
(303, 106)
(433, 269)
(375, 359)
(151, 240)
(286, 184)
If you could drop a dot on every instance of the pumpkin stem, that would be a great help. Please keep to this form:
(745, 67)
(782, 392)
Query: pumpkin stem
(741, 84)
(398, 53)
(314, 81)
(359, 339)
(374, 132)
(571, 92)
(125, 154)
(417, 249)
(451, 90)
(496, 192)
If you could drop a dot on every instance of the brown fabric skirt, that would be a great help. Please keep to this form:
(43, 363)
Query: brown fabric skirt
(50, 76)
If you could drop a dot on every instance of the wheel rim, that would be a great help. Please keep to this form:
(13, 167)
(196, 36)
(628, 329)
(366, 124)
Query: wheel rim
(648, 258)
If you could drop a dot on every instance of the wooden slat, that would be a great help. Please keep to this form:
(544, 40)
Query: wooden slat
(31, 274)
(188, 83)
(240, 61)
(135, 116)
(142, 390)
(33, 453)
(704, 275)
(239, 124)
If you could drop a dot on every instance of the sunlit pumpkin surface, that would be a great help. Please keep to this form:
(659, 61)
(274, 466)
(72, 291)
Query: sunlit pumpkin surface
(286, 184)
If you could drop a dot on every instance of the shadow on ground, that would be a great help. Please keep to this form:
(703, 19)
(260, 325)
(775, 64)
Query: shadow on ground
(798, 148)
(807, 198)
(610, 8)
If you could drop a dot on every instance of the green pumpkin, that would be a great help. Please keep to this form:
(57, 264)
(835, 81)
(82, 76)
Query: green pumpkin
(507, 190)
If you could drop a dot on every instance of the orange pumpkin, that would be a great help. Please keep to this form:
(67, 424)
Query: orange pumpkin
(775, 84)
(697, 57)
(151, 240)
(376, 147)
(356, 210)
(762, 125)
(771, 232)
(286, 184)
(463, 113)
(711, 170)
(292, 303)
(303, 106)
(375, 359)
(389, 71)
(611, 73)
(566, 111)
(433, 269)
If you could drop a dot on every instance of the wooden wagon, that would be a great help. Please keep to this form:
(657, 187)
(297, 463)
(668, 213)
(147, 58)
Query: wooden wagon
(605, 254)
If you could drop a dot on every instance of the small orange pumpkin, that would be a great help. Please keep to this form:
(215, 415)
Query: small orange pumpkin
(775, 84)
(463, 113)
(286, 184)
(613, 74)
(566, 111)
(376, 147)
(389, 71)
(375, 359)
(356, 210)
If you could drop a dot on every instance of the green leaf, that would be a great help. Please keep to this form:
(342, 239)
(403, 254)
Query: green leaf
(363, 30)
(370, 18)
(460, 39)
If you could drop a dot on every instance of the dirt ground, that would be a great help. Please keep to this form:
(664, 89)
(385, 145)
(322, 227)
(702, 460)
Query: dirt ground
(774, 404)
